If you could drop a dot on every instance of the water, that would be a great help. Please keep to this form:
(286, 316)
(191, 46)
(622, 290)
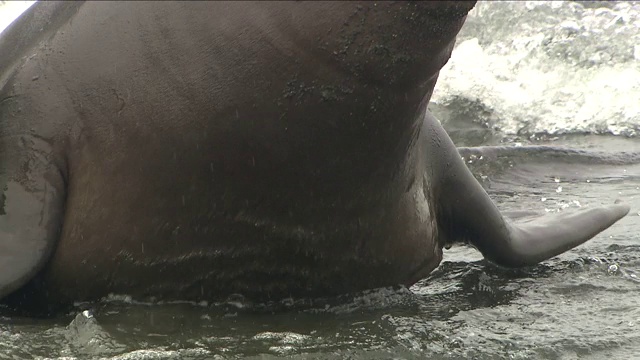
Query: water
(535, 73)
(548, 67)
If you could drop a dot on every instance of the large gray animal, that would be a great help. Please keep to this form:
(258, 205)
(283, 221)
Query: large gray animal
(194, 150)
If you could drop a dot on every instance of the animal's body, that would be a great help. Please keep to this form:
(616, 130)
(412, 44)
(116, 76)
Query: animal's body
(194, 150)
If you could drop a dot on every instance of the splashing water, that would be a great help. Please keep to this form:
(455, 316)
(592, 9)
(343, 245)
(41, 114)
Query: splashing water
(548, 67)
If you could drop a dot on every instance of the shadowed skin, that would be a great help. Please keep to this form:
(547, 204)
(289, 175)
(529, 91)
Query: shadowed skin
(192, 150)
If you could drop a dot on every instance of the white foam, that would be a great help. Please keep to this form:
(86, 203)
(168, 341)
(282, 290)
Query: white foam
(549, 67)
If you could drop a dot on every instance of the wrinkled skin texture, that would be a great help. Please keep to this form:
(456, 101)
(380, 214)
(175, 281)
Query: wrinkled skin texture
(194, 150)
